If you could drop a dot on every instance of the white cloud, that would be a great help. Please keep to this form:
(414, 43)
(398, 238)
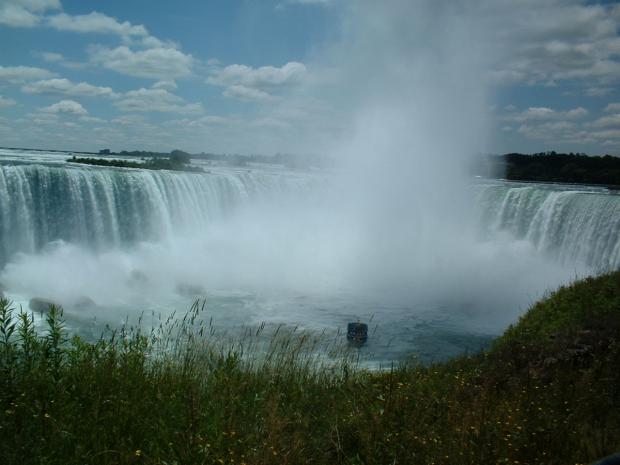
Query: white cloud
(269, 122)
(25, 13)
(553, 126)
(96, 22)
(544, 113)
(203, 122)
(154, 63)
(38, 6)
(156, 100)
(538, 113)
(265, 76)
(20, 74)
(16, 16)
(247, 93)
(70, 107)
(612, 121)
(6, 102)
(43, 118)
(214, 119)
(246, 83)
(92, 119)
(598, 91)
(154, 42)
(67, 88)
(129, 120)
(166, 84)
(556, 132)
(543, 41)
(51, 57)
(612, 107)
(606, 134)
(575, 113)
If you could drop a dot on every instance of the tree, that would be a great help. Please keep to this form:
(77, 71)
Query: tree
(180, 157)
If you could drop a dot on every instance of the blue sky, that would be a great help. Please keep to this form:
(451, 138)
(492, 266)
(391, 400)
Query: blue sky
(266, 76)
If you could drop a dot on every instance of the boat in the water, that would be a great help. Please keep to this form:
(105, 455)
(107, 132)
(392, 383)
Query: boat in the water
(357, 333)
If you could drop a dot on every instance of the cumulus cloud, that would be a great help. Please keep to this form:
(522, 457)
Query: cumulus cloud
(154, 63)
(92, 119)
(38, 6)
(265, 76)
(544, 113)
(246, 93)
(546, 41)
(575, 113)
(25, 13)
(67, 88)
(50, 57)
(203, 122)
(69, 107)
(156, 100)
(95, 22)
(20, 74)
(567, 134)
(598, 91)
(247, 83)
(166, 84)
(613, 107)
(611, 121)
(555, 127)
(6, 102)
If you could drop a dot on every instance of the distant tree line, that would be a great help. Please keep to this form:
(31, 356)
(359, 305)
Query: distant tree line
(563, 167)
(233, 159)
(102, 162)
(176, 160)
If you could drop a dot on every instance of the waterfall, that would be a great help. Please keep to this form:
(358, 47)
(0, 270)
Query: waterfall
(107, 207)
(572, 225)
(103, 207)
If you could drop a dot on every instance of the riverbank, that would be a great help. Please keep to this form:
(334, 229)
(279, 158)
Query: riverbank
(546, 392)
(152, 164)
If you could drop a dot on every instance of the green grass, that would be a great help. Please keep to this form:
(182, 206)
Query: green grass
(547, 392)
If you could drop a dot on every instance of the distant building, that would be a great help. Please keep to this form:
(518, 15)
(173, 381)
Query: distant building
(104, 152)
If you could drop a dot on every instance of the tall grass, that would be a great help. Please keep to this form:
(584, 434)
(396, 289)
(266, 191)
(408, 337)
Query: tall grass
(545, 394)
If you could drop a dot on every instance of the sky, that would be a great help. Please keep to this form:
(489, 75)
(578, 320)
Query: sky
(261, 76)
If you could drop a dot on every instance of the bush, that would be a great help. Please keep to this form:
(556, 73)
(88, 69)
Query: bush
(547, 392)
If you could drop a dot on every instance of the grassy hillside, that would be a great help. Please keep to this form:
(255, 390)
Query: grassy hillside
(548, 392)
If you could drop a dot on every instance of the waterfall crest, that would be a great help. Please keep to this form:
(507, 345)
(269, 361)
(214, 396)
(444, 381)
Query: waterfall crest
(101, 208)
(573, 226)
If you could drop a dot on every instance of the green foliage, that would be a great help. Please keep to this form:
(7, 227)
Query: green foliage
(179, 157)
(104, 162)
(562, 167)
(179, 162)
(177, 395)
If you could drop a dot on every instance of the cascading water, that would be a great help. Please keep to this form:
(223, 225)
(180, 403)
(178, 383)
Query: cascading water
(574, 226)
(103, 208)
(267, 244)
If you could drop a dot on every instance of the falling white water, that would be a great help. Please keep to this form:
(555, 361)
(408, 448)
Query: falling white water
(397, 233)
